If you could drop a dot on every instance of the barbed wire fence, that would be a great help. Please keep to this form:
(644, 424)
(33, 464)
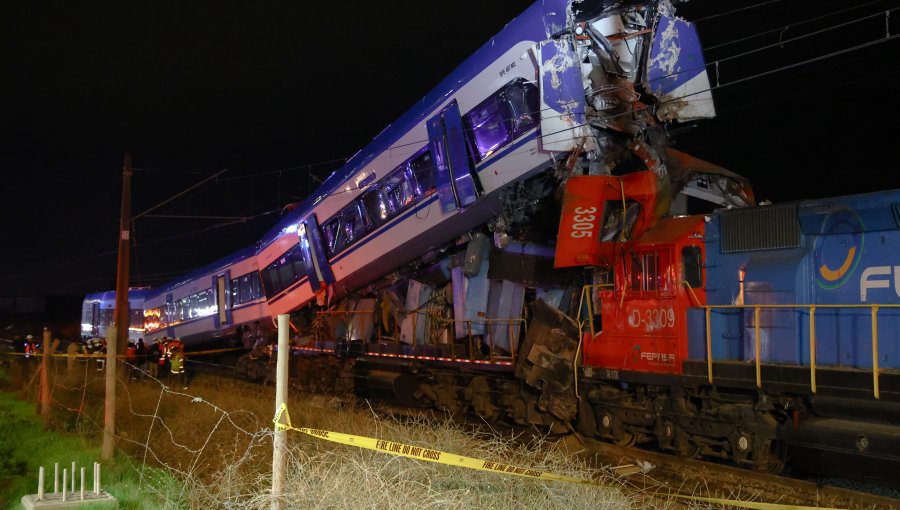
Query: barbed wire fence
(215, 439)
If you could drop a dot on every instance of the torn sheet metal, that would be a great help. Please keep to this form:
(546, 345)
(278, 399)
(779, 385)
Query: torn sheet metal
(677, 72)
(547, 357)
(563, 123)
(556, 14)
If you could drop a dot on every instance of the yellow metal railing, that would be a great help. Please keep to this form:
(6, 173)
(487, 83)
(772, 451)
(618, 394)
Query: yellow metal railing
(585, 296)
(812, 337)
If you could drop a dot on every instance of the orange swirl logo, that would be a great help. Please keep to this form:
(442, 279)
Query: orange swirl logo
(838, 248)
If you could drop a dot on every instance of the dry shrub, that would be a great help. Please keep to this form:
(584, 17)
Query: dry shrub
(216, 439)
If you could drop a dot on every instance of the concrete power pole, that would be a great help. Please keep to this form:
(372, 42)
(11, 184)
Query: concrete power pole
(119, 338)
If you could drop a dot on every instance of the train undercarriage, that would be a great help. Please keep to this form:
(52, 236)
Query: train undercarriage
(732, 421)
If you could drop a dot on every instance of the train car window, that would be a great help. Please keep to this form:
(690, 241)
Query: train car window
(524, 104)
(398, 190)
(255, 290)
(504, 116)
(278, 275)
(285, 275)
(298, 263)
(195, 305)
(648, 272)
(106, 317)
(154, 319)
(423, 171)
(183, 310)
(268, 284)
(693, 267)
(332, 232)
(487, 126)
(206, 303)
(136, 319)
(235, 291)
(375, 203)
(245, 291)
(353, 223)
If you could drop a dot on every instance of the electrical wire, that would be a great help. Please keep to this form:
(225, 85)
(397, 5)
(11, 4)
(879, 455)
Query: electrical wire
(773, 45)
(792, 25)
(734, 11)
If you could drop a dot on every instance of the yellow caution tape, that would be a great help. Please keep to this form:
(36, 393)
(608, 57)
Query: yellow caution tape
(450, 459)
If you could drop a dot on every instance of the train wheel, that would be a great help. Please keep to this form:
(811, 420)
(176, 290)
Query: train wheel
(627, 439)
(776, 459)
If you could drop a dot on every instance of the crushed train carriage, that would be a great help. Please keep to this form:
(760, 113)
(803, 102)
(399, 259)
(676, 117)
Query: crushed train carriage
(513, 246)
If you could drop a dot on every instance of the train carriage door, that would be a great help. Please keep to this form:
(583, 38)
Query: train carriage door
(456, 183)
(313, 250)
(95, 318)
(223, 299)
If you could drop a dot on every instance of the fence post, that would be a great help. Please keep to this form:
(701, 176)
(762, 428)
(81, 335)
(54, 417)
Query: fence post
(45, 377)
(279, 459)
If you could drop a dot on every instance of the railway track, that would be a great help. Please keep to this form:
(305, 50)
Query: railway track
(688, 476)
(669, 473)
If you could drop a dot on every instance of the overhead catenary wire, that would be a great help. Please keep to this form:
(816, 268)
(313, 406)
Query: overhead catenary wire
(735, 11)
(790, 25)
(718, 61)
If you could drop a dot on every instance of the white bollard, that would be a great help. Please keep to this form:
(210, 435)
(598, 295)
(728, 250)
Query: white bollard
(40, 492)
(56, 478)
(97, 478)
(65, 479)
(82, 483)
(73, 476)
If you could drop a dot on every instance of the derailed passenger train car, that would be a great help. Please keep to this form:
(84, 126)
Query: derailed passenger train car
(208, 303)
(98, 313)
(559, 91)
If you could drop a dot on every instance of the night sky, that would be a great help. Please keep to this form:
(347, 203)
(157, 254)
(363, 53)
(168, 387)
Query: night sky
(280, 93)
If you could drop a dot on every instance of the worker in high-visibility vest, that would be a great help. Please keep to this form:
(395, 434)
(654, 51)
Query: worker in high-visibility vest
(31, 347)
(176, 366)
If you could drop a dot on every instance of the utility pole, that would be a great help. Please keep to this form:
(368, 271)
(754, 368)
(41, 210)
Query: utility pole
(122, 313)
(119, 336)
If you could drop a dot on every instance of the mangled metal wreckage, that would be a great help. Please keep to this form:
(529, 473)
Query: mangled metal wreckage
(546, 151)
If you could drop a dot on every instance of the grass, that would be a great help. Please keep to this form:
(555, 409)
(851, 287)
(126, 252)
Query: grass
(211, 447)
(25, 445)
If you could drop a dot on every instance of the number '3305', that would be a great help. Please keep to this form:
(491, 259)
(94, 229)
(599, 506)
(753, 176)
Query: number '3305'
(583, 222)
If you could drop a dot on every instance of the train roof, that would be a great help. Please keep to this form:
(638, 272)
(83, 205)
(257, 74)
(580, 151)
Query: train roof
(213, 267)
(528, 24)
(136, 294)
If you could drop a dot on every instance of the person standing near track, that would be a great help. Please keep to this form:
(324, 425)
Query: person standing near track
(142, 355)
(177, 369)
(154, 354)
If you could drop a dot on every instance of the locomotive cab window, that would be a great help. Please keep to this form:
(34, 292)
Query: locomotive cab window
(618, 223)
(649, 273)
(692, 266)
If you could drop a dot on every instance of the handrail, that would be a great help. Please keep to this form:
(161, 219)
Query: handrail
(691, 292)
(876, 390)
(585, 290)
